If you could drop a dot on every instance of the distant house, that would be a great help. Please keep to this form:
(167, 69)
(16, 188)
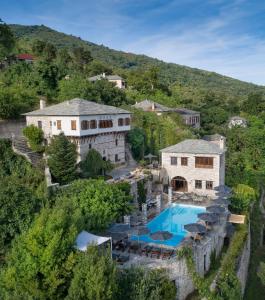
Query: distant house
(148, 105)
(190, 117)
(119, 81)
(25, 57)
(237, 121)
(196, 166)
(87, 124)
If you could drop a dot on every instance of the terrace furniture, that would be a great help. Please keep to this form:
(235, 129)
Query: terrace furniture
(121, 246)
(123, 259)
(155, 252)
(133, 247)
(146, 250)
(166, 254)
(115, 256)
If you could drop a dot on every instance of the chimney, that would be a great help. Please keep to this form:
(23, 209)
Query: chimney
(222, 142)
(42, 102)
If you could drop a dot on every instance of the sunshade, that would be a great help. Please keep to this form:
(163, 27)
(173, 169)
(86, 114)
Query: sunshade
(208, 217)
(140, 230)
(119, 228)
(217, 209)
(161, 235)
(195, 228)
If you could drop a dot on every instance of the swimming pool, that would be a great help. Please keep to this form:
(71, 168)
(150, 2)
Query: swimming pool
(173, 220)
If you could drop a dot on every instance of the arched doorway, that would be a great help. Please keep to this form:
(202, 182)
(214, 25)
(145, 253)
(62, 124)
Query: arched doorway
(179, 184)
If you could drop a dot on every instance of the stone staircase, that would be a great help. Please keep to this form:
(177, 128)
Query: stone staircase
(19, 145)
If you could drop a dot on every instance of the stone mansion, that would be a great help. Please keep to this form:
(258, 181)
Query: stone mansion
(87, 124)
(196, 166)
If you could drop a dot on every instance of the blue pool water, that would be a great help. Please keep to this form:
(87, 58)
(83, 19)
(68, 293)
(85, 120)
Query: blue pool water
(173, 220)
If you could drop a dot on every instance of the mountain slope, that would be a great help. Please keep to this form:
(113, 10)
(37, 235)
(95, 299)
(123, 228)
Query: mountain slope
(170, 73)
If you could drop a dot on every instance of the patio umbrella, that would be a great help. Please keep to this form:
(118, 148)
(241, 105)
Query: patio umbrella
(221, 201)
(217, 209)
(118, 236)
(208, 217)
(119, 228)
(224, 189)
(161, 235)
(140, 230)
(150, 156)
(195, 228)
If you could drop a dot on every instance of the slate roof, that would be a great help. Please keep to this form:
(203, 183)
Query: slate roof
(146, 105)
(194, 146)
(185, 111)
(108, 77)
(77, 107)
(238, 118)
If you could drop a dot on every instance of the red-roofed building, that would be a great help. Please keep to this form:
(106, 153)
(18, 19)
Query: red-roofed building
(25, 57)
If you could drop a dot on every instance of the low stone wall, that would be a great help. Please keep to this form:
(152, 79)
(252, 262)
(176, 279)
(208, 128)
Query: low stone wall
(242, 271)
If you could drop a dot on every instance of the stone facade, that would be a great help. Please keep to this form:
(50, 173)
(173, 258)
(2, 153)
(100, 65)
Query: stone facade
(201, 180)
(107, 135)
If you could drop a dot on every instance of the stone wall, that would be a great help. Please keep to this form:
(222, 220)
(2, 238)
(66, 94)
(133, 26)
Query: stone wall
(110, 146)
(242, 271)
(190, 173)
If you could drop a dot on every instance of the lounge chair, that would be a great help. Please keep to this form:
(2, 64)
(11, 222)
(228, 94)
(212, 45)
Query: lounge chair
(115, 256)
(155, 252)
(146, 250)
(166, 254)
(133, 247)
(123, 259)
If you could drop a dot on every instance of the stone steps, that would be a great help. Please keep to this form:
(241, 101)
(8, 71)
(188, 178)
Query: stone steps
(21, 147)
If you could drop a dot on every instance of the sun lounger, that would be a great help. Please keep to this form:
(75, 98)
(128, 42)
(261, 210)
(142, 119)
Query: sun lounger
(123, 259)
(166, 254)
(115, 256)
(133, 247)
(146, 250)
(155, 252)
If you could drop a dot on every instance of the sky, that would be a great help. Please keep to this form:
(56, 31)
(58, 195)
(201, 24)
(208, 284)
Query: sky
(225, 36)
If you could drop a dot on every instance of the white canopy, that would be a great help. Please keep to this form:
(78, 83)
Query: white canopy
(84, 239)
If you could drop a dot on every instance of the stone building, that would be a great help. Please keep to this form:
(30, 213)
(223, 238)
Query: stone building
(116, 79)
(196, 166)
(190, 117)
(237, 121)
(87, 124)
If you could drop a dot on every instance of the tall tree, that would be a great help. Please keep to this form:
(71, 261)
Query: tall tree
(94, 278)
(17, 207)
(7, 40)
(81, 57)
(62, 159)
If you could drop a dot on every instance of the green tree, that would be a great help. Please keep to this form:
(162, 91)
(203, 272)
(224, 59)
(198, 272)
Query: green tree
(62, 159)
(101, 203)
(140, 284)
(93, 165)
(243, 197)
(40, 264)
(34, 136)
(81, 57)
(97, 67)
(136, 138)
(7, 40)
(17, 208)
(94, 277)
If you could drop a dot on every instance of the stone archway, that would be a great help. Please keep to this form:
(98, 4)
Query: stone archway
(179, 184)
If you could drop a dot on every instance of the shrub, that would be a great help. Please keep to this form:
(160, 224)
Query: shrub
(94, 165)
(34, 136)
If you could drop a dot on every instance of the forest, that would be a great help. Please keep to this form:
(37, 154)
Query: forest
(37, 232)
